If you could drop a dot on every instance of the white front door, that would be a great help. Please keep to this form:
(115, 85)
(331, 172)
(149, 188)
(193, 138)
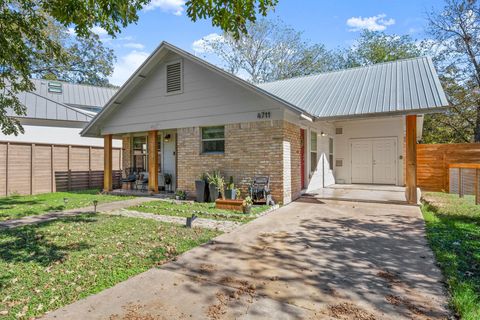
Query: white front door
(384, 161)
(374, 161)
(362, 161)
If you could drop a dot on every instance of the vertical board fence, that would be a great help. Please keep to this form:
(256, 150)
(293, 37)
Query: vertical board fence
(433, 161)
(29, 168)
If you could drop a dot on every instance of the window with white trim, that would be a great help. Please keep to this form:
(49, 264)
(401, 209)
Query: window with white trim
(313, 151)
(213, 139)
(174, 77)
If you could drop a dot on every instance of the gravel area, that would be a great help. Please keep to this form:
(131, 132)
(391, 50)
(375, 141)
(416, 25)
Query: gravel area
(225, 226)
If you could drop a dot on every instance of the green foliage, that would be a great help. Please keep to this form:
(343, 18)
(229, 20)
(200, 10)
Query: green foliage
(16, 206)
(31, 40)
(453, 231)
(377, 47)
(202, 210)
(217, 179)
(270, 50)
(86, 60)
(49, 265)
(454, 32)
(231, 16)
(456, 124)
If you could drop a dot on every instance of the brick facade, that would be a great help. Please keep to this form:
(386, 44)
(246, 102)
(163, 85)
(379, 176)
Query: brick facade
(127, 152)
(267, 148)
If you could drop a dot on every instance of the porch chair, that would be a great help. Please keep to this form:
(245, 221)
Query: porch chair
(142, 181)
(260, 190)
(130, 178)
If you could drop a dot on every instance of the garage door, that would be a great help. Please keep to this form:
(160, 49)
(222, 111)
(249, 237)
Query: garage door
(374, 161)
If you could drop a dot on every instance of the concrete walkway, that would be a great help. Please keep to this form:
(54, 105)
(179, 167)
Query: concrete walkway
(103, 207)
(225, 226)
(309, 260)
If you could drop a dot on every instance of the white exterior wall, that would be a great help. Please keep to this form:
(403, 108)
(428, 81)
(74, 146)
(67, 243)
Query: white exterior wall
(207, 99)
(323, 176)
(367, 128)
(55, 135)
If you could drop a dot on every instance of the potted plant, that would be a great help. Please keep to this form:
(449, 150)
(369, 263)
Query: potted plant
(215, 185)
(201, 188)
(181, 195)
(168, 180)
(247, 205)
(231, 192)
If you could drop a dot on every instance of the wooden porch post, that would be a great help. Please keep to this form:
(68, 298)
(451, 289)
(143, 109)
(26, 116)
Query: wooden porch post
(411, 159)
(153, 161)
(107, 163)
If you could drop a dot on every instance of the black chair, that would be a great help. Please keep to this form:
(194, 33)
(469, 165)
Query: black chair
(260, 190)
(131, 176)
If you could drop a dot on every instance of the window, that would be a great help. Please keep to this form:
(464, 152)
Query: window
(139, 153)
(330, 152)
(338, 130)
(54, 87)
(174, 78)
(313, 152)
(213, 139)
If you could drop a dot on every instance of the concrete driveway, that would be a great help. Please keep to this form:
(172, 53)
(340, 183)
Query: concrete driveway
(307, 260)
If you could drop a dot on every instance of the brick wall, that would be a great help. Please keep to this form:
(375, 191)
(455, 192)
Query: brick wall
(127, 153)
(251, 149)
(292, 166)
(268, 148)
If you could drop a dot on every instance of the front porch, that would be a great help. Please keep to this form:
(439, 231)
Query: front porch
(361, 193)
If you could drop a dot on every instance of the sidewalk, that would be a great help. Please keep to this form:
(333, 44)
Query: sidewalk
(103, 207)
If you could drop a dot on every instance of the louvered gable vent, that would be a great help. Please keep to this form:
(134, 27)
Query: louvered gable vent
(174, 77)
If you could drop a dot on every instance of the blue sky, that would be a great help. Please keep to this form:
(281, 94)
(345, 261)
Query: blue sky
(333, 23)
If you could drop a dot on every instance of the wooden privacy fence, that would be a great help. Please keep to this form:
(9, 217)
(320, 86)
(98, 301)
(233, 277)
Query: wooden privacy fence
(29, 168)
(433, 161)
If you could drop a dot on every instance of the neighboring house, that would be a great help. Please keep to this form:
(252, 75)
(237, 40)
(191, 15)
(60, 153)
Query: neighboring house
(57, 111)
(178, 114)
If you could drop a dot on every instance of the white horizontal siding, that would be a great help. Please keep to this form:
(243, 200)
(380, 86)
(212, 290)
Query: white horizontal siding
(207, 98)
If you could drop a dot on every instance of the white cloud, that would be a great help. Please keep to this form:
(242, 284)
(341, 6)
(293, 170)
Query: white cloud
(134, 45)
(375, 23)
(201, 45)
(126, 65)
(173, 6)
(99, 30)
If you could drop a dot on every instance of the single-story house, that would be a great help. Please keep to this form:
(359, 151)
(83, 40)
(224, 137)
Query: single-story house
(57, 111)
(180, 115)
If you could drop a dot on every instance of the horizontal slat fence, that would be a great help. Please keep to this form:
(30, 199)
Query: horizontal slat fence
(28, 168)
(433, 162)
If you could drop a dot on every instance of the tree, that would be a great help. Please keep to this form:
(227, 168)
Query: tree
(456, 30)
(25, 41)
(269, 50)
(376, 47)
(86, 60)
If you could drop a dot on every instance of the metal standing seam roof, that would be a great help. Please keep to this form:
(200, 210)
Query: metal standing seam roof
(392, 87)
(75, 94)
(66, 105)
(39, 107)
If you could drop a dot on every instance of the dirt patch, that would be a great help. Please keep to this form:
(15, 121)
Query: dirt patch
(390, 277)
(216, 311)
(349, 311)
(133, 312)
(242, 288)
(399, 301)
(207, 268)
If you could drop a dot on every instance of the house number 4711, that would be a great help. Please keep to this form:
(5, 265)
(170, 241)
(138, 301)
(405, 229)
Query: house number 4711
(264, 115)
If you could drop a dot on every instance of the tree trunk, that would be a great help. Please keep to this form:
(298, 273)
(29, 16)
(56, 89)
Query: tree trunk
(477, 126)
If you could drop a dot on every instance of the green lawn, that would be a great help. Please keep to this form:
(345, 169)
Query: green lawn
(453, 231)
(14, 207)
(202, 210)
(46, 266)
